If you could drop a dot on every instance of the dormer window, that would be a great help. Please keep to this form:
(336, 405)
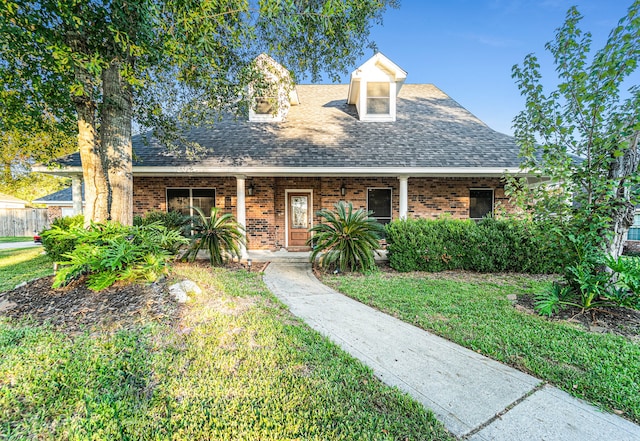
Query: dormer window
(272, 93)
(265, 106)
(374, 87)
(378, 100)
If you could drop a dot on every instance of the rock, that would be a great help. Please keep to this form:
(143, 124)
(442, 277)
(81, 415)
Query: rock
(600, 329)
(512, 297)
(6, 305)
(20, 285)
(181, 290)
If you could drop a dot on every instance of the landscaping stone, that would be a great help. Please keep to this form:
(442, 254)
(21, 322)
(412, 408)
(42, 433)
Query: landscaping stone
(6, 305)
(181, 290)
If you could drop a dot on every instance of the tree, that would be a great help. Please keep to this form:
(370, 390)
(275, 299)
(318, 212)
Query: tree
(168, 63)
(582, 139)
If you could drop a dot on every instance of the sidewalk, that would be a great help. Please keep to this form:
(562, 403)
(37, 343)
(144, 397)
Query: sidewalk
(12, 245)
(475, 397)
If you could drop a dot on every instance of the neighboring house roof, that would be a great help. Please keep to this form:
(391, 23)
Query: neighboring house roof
(63, 197)
(433, 135)
(8, 201)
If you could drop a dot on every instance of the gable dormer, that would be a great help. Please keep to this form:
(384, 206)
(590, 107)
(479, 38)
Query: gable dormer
(272, 93)
(374, 87)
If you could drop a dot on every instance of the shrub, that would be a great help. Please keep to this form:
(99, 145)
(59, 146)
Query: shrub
(490, 245)
(110, 252)
(55, 240)
(220, 235)
(172, 220)
(589, 285)
(346, 239)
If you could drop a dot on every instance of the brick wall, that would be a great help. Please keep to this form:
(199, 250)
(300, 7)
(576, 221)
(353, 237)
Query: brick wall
(427, 197)
(53, 213)
(150, 193)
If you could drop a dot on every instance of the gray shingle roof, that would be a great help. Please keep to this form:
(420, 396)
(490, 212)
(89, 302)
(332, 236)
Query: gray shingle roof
(431, 130)
(64, 195)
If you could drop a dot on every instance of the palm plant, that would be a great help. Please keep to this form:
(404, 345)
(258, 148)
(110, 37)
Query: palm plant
(346, 238)
(221, 235)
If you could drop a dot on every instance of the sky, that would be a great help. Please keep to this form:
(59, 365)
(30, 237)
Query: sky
(467, 48)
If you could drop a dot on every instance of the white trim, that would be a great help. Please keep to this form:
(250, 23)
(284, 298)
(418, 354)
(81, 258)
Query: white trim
(390, 199)
(493, 199)
(286, 210)
(57, 203)
(414, 172)
(403, 203)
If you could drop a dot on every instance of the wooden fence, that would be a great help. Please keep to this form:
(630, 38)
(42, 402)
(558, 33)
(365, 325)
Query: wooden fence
(22, 221)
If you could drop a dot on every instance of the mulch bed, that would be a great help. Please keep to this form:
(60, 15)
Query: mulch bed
(76, 309)
(611, 319)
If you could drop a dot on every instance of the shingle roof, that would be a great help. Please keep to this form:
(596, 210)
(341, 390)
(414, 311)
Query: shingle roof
(64, 195)
(431, 130)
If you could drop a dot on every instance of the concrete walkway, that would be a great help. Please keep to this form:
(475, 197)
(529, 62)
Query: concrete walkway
(475, 397)
(12, 245)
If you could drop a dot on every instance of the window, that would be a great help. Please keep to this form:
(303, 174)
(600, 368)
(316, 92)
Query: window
(379, 201)
(183, 199)
(634, 231)
(378, 100)
(480, 203)
(265, 105)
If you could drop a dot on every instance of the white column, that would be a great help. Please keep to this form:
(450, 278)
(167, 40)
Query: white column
(76, 192)
(241, 209)
(404, 206)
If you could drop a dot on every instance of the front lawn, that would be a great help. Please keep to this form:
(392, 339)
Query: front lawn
(473, 311)
(12, 239)
(231, 364)
(20, 265)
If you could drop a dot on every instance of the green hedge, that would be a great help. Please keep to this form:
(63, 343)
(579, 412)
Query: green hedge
(56, 241)
(489, 245)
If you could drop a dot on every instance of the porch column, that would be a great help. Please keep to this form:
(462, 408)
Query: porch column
(241, 209)
(76, 194)
(404, 206)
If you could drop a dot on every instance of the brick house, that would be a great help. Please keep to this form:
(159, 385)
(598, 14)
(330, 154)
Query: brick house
(400, 150)
(60, 203)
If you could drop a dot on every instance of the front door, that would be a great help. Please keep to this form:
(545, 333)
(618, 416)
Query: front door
(299, 219)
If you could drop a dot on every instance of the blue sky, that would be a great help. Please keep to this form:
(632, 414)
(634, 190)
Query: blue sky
(468, 47)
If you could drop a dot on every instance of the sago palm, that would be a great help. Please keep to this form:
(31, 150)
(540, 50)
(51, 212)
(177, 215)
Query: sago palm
(346, 238)
(221, 235)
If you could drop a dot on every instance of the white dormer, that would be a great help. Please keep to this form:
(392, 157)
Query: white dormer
(275, 94)
(374, 87)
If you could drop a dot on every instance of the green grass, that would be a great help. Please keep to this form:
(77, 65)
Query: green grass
(19, 265)
(235, 365)
(11, 239)
(601, 368)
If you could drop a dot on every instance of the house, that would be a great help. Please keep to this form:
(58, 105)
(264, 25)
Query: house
(60, 203)
(401, 150)
(633, 235)
(7, 201)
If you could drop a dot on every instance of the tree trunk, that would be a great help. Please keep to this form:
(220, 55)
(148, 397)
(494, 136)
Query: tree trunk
(96, 188)
(115, 136)
(622, 218)
(91, 157)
